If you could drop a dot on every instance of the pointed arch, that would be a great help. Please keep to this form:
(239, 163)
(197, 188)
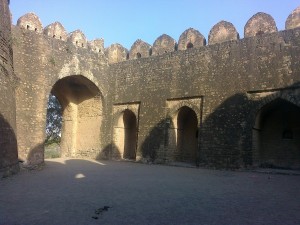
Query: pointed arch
(125, 134)
(82, 107)
(276, 134)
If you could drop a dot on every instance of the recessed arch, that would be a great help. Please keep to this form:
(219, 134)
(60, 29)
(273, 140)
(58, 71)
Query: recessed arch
(125, 134)
(81, 102)
(276, 135)
(186, 135)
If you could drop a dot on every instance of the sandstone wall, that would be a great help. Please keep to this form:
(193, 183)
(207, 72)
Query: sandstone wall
(40, 62)
(220, 82)
(8, 141)
(223, 86)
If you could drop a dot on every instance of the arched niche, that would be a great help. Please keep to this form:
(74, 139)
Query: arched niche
(276, 135)
(186, 135)
(125, 134)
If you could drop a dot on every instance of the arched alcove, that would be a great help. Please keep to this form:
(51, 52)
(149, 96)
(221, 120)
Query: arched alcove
(81, 104)
(187, 135)
(276, 135)
(125, 134)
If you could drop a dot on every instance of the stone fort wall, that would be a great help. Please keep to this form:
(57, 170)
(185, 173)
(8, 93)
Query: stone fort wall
(185, 101)
(8, 140)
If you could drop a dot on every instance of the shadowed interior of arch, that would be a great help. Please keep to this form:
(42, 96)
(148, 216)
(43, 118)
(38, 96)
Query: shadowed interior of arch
(277, 135)
(187, 137)
(81, 104)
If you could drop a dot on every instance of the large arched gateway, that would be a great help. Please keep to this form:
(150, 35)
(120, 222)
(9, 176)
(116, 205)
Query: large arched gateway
(82, 116)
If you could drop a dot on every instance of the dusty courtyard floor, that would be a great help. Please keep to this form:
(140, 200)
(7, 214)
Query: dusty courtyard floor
(73, 192)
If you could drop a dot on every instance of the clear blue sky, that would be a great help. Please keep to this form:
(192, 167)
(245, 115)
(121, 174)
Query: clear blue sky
(124, 21)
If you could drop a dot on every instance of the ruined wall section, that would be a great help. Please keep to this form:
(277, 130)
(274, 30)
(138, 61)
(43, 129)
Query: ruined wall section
(222, 74)
(40, 61)
(8, 141)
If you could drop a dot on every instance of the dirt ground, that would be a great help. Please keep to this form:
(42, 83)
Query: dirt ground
(71, 191)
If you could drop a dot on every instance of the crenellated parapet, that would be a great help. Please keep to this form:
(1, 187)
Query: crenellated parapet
(56, 30)
(259, 24)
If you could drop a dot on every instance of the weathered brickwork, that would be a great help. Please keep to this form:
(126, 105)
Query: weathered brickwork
(227, 104)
